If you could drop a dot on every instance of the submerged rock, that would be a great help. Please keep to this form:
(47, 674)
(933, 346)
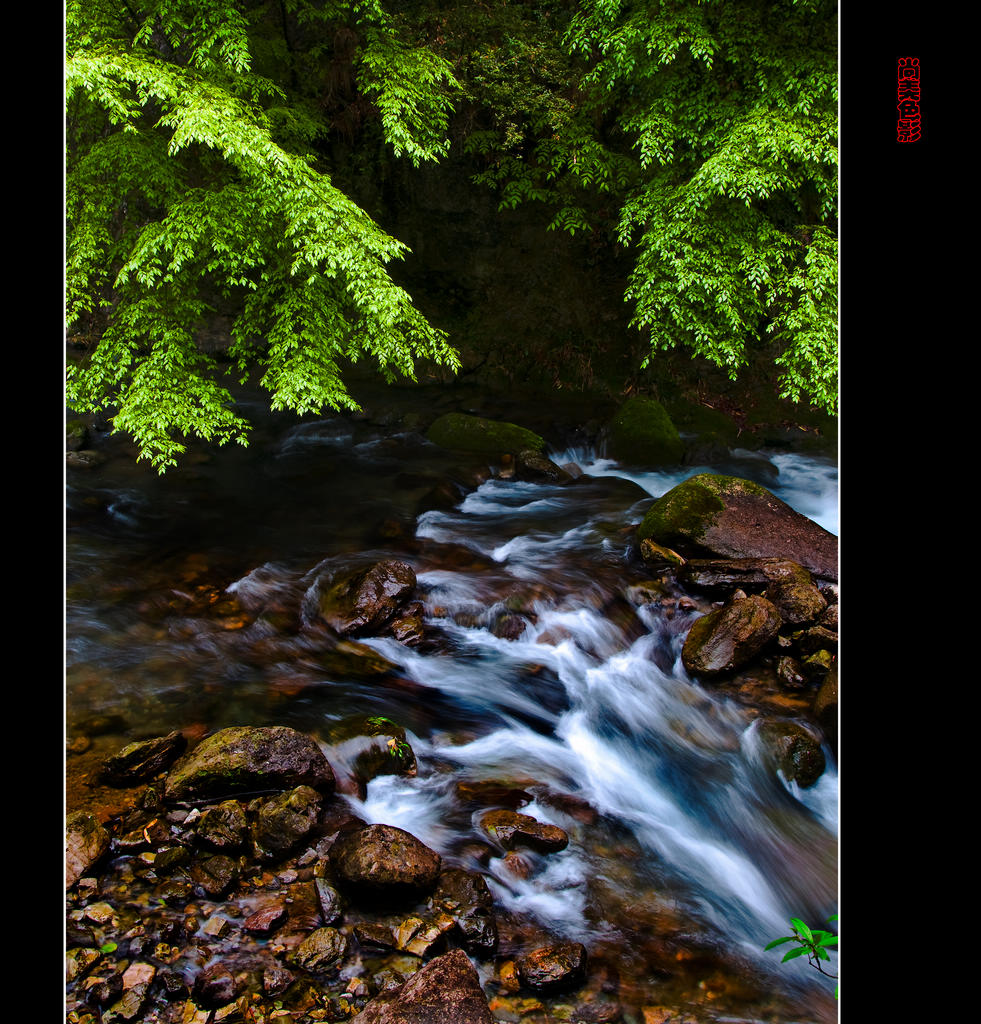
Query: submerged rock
(245, 759)
(555, 968)
(735, 518)
(321, 950)
(730, 637)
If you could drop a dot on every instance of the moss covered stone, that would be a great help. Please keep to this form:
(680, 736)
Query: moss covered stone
(730, 517)
(463, 432)
(642, 433)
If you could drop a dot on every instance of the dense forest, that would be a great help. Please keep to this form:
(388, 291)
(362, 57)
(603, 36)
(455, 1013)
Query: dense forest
(253, 164)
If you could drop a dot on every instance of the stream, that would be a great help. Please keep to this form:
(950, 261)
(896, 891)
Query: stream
(189, 601)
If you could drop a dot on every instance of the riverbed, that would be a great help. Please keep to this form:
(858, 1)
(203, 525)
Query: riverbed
(189, 606)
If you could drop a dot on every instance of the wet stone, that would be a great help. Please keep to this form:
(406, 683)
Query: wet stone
(143, 759)
(215, 875)
(284, 820)
(222, 826)
(266, 918)
(512, 829)
(554, 968)
(329, 901)
(215, 985)
(321, 949)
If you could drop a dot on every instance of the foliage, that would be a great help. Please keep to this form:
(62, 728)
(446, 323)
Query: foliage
(190, 187)
(703, 136)
(812, 943)
(204, 150)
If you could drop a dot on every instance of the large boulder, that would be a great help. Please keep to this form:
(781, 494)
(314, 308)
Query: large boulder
(445, 991)
(247, 759)
(362, 603)
(463, 432)
(641, 433)
(730, 637)
(384, 863)
(729, 517)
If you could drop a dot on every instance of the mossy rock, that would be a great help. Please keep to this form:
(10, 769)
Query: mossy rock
(642, 433)
(463, 432)
(730, 517)
(243, 759)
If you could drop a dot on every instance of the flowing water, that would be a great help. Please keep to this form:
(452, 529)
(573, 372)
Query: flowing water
(190, 607)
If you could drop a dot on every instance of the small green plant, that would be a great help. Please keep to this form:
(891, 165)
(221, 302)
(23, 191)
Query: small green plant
(813, 943)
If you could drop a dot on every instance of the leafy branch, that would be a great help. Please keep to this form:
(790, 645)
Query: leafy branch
(811, 942)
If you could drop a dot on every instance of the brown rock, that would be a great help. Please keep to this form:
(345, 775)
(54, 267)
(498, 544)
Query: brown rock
(243, 759)
(384, 861)
(321, 949)
(554, 968)
(85, 842)
(143, 760)
(730, 637)
(362, 603)
(513, 829)
(729, 517)
(445, 991)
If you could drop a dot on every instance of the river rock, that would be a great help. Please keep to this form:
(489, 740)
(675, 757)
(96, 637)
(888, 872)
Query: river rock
(555, 968)
(284, 820)
(222, 827)
(384, 862)
(364, 602)
(386, 750)
(85, 842)
(143, 759)
(321, 949)
(215, 875)
(720, 574)
(512, 829)
(730, 637)
(533, 465)
(465, 897)
(793, 749)
(249, 759)
(797, 602)
(328, 900)
(641, 433)
(730, 517)
(445, 991)
(467, 433)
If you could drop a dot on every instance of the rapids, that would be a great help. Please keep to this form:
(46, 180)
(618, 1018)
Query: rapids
(674, 822)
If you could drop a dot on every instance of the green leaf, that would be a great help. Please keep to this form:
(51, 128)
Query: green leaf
(779, 942)
(802, 929)
(799, 951)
